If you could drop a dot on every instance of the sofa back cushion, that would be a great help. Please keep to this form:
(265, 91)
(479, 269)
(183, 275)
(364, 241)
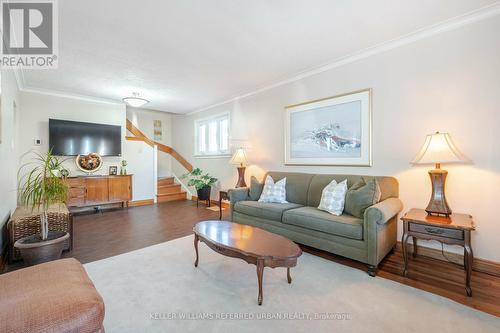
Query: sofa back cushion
(297, 185)
(305, 189)
(388, 186)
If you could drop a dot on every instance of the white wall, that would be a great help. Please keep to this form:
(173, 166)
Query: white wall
(38, 108)
(143, 119)
(140, 163)
(448, 82)
(8, 148)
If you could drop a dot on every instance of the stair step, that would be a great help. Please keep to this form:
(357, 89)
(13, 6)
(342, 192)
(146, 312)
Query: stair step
(171, 188)
(165, 181)
(171, 197)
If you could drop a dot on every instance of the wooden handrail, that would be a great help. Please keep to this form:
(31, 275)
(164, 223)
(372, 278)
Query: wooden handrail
(139, 136)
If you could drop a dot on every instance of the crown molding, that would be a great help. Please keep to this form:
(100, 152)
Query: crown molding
(70, 95)
(435, 29)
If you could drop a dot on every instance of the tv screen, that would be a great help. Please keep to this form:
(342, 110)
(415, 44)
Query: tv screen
(71, 138)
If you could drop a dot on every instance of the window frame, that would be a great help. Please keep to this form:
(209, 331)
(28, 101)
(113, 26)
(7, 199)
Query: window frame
(218, 118)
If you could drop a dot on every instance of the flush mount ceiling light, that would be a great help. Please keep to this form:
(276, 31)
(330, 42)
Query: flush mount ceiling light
(135, 101)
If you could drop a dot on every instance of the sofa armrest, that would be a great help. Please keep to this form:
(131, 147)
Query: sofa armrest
(235, 195)
(383, 211)
(238, 194)
(380, 230)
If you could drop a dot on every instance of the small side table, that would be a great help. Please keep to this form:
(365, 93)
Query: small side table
(454, 230)
(222, 196)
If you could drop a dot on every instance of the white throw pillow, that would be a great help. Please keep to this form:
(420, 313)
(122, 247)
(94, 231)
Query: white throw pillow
(274, 192)
(333, 197)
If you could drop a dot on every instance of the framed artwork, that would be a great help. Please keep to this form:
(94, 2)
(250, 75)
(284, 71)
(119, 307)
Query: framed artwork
(113, 170)
(332, 131)
(157, 129)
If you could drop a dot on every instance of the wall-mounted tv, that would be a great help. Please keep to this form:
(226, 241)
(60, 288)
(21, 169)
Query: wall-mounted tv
(71, 138)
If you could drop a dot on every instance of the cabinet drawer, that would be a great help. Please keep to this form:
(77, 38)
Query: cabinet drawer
(75, 202)
(76, 192)
(436, 231)
(76, 182)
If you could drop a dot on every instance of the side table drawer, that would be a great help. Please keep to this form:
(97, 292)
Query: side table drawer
(436, 231)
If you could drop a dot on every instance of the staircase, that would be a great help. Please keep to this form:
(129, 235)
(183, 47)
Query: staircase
(169, 190)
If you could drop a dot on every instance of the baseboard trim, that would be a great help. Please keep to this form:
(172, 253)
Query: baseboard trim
(213, 202)
(137, 203)
(479, 265)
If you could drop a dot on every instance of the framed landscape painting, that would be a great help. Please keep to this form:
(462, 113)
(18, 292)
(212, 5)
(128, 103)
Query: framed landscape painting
(330, 131)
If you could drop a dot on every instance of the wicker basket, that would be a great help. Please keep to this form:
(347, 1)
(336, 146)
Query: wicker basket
(26, 222)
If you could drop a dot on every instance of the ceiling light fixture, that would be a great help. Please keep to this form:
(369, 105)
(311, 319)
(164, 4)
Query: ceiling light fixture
(135, 101)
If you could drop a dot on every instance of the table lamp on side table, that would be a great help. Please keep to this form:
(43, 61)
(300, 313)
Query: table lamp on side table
(240, 158)
(438, 148)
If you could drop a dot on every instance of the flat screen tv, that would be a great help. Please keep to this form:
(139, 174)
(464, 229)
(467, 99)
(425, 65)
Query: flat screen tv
(71, 138)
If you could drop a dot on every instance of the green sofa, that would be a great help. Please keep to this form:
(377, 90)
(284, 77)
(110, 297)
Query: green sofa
(368, 239)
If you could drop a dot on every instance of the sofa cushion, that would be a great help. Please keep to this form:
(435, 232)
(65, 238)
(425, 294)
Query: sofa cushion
(256, 188)
(388, 186)
(361, 196)
(297, 185)
(315, 219)
(265, 210)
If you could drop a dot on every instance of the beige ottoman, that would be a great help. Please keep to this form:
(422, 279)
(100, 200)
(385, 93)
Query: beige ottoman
(57, 296)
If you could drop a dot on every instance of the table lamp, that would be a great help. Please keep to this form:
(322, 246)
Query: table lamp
(438, 148)
(240, 158)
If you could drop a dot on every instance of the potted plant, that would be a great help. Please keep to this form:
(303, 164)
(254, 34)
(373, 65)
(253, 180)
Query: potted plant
(39, 188)
(201, 182)
(123, 168)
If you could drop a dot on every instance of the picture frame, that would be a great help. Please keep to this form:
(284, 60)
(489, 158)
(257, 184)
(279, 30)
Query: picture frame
(157, 130)
(113, 170)
(332, 131)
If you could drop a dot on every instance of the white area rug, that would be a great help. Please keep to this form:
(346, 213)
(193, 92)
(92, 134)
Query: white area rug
(148, 290)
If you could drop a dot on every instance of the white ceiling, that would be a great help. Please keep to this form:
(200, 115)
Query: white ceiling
(184, 55)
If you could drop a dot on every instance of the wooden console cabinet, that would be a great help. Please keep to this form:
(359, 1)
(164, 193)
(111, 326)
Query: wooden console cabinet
(99, 190)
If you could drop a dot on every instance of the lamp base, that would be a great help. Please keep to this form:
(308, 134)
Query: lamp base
(438, 204)
(241, 177)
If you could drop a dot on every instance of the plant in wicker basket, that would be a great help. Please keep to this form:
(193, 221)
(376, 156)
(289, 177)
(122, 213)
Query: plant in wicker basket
(41, 187)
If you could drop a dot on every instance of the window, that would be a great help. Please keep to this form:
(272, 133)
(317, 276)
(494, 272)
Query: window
(212, 136)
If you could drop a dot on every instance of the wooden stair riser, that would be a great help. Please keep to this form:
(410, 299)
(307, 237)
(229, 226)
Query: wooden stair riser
(165, 181)
(172, 197)
(169, 189)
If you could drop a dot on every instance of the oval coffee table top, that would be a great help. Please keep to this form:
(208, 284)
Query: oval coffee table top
(247, 239)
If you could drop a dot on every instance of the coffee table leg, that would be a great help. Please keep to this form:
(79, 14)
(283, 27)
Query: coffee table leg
(288, 276)
(196, 249)
(260, 271)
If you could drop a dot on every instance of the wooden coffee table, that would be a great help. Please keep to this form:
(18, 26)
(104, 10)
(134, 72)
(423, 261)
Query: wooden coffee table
(254, 245)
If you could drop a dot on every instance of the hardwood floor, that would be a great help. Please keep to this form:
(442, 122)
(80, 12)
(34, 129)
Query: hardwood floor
(98, 236)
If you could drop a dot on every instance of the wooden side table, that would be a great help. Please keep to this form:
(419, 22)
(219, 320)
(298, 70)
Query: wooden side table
(454, 230)
(222, 196)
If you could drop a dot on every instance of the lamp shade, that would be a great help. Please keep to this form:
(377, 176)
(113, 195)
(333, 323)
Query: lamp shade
(438, 148)
(239, 157)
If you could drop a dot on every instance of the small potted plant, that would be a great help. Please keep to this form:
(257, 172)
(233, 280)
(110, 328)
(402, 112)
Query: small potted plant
(123, 167)
(201, 182)
(39, 188)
